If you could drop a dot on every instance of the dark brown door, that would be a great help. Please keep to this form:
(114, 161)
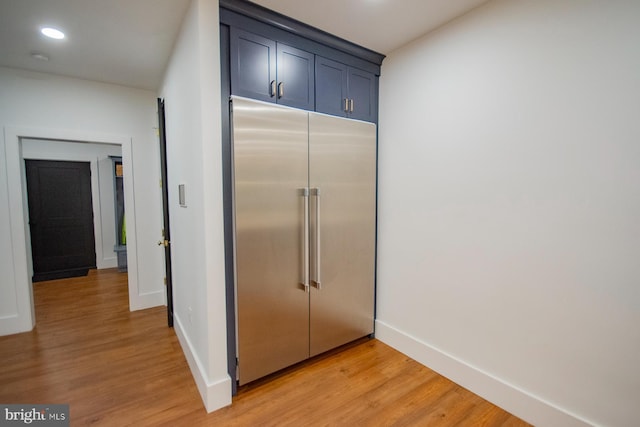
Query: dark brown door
(60, 218)
(166, 236)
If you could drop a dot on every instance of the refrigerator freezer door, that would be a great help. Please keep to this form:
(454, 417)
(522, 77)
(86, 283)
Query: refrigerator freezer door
(342, 167)
(270, 152)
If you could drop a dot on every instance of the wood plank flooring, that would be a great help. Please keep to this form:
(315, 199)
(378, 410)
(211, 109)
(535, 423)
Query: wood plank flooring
(118, 368)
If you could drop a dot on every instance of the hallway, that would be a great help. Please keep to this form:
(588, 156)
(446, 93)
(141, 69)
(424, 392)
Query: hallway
(115, 367)
(111, 365)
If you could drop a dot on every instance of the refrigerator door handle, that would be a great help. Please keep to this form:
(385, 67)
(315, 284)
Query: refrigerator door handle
(305, 246)
(317, 282)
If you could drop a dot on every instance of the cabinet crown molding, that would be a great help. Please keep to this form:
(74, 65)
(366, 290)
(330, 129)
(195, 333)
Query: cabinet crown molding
(293, 26)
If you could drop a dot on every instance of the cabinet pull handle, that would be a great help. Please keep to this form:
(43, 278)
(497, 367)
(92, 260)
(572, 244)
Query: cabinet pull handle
(346, 105)
(272, 91)
(351, 105)
(280, 89)
(305, 246)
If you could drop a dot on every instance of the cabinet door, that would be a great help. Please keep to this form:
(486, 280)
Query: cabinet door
(362, 86)
(342, 166)
(270, 160)
(331, 87)
(253, 65)
(295, 77)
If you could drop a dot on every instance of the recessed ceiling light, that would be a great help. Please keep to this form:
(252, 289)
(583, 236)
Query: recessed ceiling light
(52, 33)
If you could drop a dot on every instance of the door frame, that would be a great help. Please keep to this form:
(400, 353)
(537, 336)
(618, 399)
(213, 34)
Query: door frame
(166, 237)
(24, 318)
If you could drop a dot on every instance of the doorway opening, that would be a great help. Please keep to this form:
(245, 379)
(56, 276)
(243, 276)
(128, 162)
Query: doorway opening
(72, 202)
(34, 143)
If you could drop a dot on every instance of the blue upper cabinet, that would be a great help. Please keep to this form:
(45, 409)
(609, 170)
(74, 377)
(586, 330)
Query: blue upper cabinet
(273, 58)
(331, 87)
(295, 77)
(362, 95)
(345, 91)
(253, 65)
(264, 69)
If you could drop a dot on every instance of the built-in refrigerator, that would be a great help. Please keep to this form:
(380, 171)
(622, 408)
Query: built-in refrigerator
(304, 192)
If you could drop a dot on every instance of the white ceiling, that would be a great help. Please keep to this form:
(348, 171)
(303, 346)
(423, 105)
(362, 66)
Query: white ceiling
(380, 25)
(126, 42)
(129, 42)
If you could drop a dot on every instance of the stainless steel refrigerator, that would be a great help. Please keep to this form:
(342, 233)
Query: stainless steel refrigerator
(304, 220)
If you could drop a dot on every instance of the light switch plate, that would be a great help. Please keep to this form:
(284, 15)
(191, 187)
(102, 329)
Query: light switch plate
(181, 196)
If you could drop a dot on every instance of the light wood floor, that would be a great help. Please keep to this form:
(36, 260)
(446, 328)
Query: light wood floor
(119, 368)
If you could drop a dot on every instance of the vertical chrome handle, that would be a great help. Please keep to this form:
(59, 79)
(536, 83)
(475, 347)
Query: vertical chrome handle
(305, 246)
(272, 90)
(346, 105)
(317, 281)
(280, 89)
(351, 105)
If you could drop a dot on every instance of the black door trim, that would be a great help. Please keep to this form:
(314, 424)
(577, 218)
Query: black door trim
(165, 210)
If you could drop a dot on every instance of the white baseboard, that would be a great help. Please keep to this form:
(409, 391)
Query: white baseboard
(111, 262)
(15, 324)
(149, 300)
(524, 405)
(216, 394)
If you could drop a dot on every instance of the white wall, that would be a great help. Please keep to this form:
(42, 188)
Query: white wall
(191, 90)
(34, 105)
(509, 227)
(102, 186)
